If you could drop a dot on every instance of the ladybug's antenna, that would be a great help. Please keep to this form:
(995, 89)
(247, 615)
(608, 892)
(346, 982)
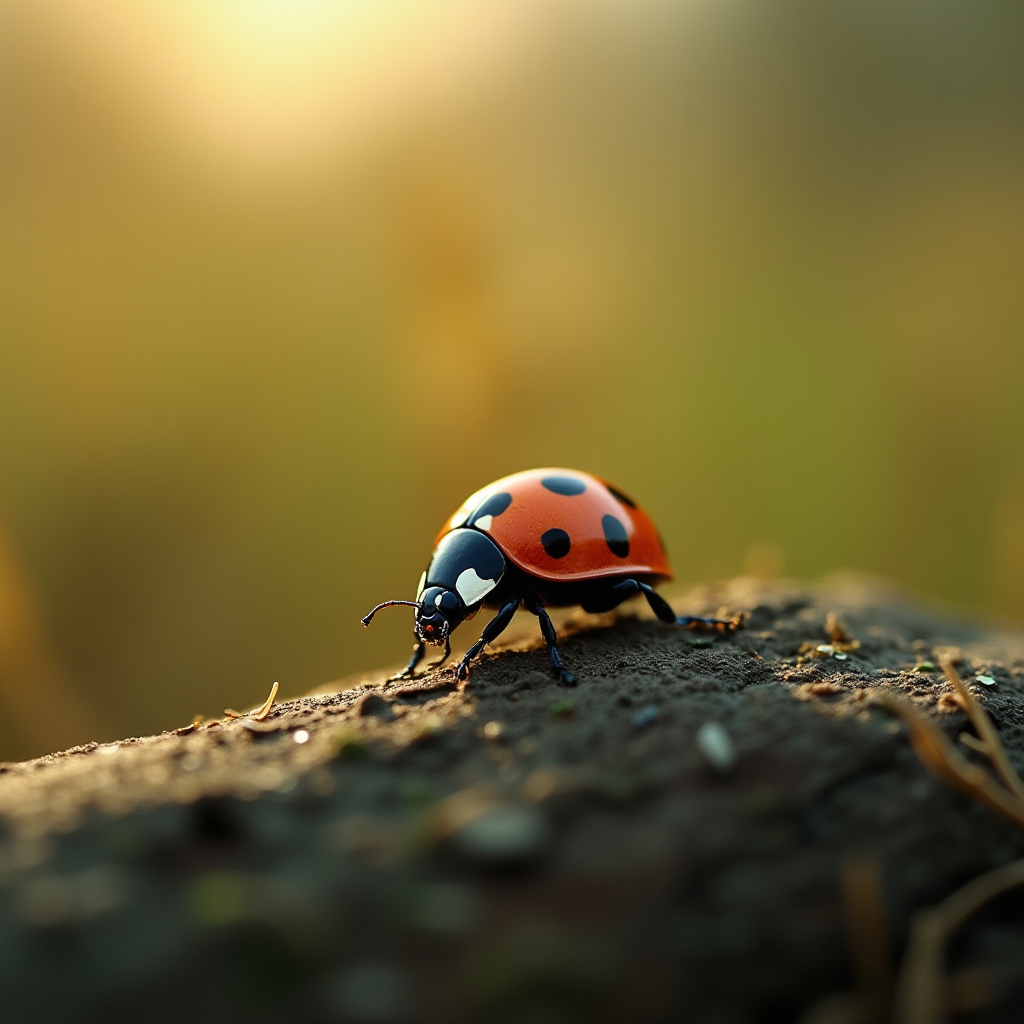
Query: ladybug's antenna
(366, 619)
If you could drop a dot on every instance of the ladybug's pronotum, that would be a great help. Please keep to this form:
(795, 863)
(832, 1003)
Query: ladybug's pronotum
(554, 537)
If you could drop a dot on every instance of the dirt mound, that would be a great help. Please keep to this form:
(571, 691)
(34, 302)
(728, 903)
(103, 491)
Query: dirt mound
(709, 829)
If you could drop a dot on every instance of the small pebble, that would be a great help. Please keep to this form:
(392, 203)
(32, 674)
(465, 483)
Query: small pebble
(646, 716)
(503, 835)
(829, 650)
(373, 705)
(717, 746)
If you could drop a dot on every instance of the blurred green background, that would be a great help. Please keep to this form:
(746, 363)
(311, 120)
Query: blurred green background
(285, 280)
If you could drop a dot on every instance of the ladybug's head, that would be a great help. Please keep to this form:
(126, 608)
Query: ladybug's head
(465, 568)
(440, 611)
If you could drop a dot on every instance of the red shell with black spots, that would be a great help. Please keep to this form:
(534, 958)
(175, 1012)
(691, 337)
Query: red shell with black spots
(564, 525)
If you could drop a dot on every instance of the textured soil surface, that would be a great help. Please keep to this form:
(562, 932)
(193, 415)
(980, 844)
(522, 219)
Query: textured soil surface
(668, 841)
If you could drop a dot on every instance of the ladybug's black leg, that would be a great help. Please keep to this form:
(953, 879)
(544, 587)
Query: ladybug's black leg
(444, 657)
(492, 631)
(547, 630)
(661, 607)
(417, 656)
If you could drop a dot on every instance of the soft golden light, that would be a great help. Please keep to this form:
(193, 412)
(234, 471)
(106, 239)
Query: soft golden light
(270, 84)
(283, 282)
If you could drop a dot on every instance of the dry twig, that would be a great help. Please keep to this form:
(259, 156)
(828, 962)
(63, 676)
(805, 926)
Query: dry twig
(922, 996)
(986, 731)
(942, 759)
(841, 638)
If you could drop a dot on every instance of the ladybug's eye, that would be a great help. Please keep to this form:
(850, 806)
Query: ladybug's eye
(446, 601)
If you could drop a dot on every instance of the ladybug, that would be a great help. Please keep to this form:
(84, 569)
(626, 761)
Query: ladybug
(542, 537)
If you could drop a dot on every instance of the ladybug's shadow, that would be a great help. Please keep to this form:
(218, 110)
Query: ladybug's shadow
(601, 631)
(524, 633)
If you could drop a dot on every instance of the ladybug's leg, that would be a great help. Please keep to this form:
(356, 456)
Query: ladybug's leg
(661, 607)
(492, 631)
(547, 630)
(417, 656)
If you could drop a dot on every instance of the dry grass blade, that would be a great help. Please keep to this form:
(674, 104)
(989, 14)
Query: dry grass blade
(839, 636)
(921, 997)
(264, 709)
(964, 902)
(986, 731)
(258, 713)
(972, 742)
(941, 758)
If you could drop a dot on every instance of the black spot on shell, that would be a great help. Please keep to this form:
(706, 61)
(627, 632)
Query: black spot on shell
(615, 536)
(556, 543)
(493, 506)
(625, 499)
(567, 485)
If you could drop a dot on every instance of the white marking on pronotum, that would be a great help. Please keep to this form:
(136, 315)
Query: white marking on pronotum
(422, 583)
(484, 522)
(467, 508)
(472, 588)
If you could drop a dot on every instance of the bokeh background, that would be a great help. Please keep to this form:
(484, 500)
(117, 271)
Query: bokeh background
(285, 280)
